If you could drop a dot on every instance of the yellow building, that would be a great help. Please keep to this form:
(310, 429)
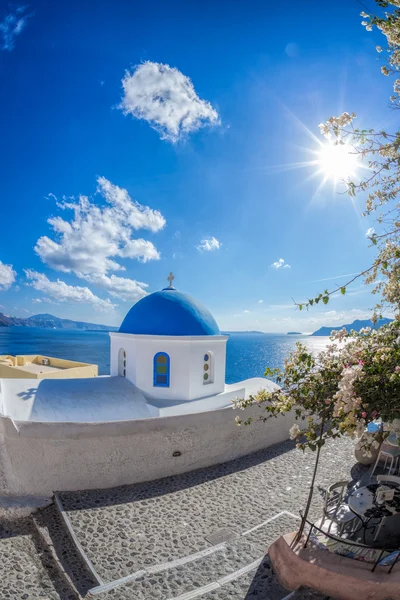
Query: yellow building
(35, 366)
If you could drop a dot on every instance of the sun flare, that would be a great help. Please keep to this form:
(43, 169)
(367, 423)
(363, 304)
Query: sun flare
(337, 161)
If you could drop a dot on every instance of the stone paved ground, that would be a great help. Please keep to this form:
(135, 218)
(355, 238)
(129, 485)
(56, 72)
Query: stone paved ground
(140, 528)
(128, 528)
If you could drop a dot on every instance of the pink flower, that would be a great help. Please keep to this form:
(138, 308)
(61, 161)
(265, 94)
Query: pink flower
(397, 369)
(360, 362)
(327, 401)
(374, 414)
(364, 415)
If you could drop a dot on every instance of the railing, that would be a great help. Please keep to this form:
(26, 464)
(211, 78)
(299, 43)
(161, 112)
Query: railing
(346, 542)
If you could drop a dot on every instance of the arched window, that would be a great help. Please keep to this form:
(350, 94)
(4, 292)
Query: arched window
(122, 362)
(161, 370)
(208, 368)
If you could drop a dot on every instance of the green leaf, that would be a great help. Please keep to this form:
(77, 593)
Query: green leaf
(343, 290)
(325, 299)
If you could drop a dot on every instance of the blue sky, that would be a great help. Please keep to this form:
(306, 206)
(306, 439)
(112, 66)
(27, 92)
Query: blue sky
(137, 140)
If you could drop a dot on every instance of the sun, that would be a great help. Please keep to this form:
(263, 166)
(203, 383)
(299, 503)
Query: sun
(337, 161)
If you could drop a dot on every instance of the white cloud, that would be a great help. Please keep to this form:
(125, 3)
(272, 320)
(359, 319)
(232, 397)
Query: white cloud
(140, 249)
(44, 299)
(119, 287)
(63, 292)
(165, 98)
(7, 276)
(280, 264)
(370, 232)
(246, 312)
(11, 26)
(90, 242)
(137, 215)
(209, 244)
(260, 301)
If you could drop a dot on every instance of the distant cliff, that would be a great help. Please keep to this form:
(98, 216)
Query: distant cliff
(356, 325)
(51, 322)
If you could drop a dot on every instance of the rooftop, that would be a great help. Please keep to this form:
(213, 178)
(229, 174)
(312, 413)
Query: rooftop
(40, 367)
(169, 312)
(102, 399)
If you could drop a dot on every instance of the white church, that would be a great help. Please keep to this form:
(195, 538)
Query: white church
(169, 346)
(164, 409)
(168, 358)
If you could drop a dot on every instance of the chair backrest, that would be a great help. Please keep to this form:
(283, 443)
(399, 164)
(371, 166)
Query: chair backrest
(334, 495)
(388, 478)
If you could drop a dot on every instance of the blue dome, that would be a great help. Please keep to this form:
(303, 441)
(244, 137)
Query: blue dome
(169, 312)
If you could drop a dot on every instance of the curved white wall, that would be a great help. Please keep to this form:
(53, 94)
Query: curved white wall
(40, 458)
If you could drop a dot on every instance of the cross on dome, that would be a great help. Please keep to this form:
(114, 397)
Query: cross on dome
(170, 279)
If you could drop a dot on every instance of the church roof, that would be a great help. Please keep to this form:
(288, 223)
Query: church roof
(169, 312)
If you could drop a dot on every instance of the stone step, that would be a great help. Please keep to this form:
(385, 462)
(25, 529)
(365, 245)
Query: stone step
(200, 573)
(28, 569)
(185, 575)
(254, 580)
(53, 534)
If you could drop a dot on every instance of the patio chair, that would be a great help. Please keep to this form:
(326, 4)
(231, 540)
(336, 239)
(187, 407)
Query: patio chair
(388, 479)
(335, 510)
(385, 479)
(391, 456)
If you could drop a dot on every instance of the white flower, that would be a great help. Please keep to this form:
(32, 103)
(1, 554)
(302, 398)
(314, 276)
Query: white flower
(395, 426)
(294, 431)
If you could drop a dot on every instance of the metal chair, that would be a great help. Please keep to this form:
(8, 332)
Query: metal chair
(385, 479)
(390, 454)
(388, 479)
(335, 510)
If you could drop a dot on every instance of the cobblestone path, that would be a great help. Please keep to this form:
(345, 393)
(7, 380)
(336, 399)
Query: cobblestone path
(201, 535)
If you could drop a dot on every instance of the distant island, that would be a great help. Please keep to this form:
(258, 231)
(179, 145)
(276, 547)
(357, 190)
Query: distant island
(51, 322)
(294, 333)
(356, 325)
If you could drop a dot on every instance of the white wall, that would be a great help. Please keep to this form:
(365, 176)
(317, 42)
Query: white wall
(186, 363)
(39, 458)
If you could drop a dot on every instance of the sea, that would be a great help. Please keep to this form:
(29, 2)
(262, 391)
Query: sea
(247, 354)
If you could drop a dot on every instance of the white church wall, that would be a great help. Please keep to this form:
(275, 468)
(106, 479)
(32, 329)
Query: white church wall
(217, 347)
(186, 363)
(38, 458)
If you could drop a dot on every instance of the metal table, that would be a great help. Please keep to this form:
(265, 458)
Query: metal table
(362, 502)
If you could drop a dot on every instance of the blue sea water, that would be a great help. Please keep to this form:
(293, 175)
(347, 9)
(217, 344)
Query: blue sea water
(247, 355)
